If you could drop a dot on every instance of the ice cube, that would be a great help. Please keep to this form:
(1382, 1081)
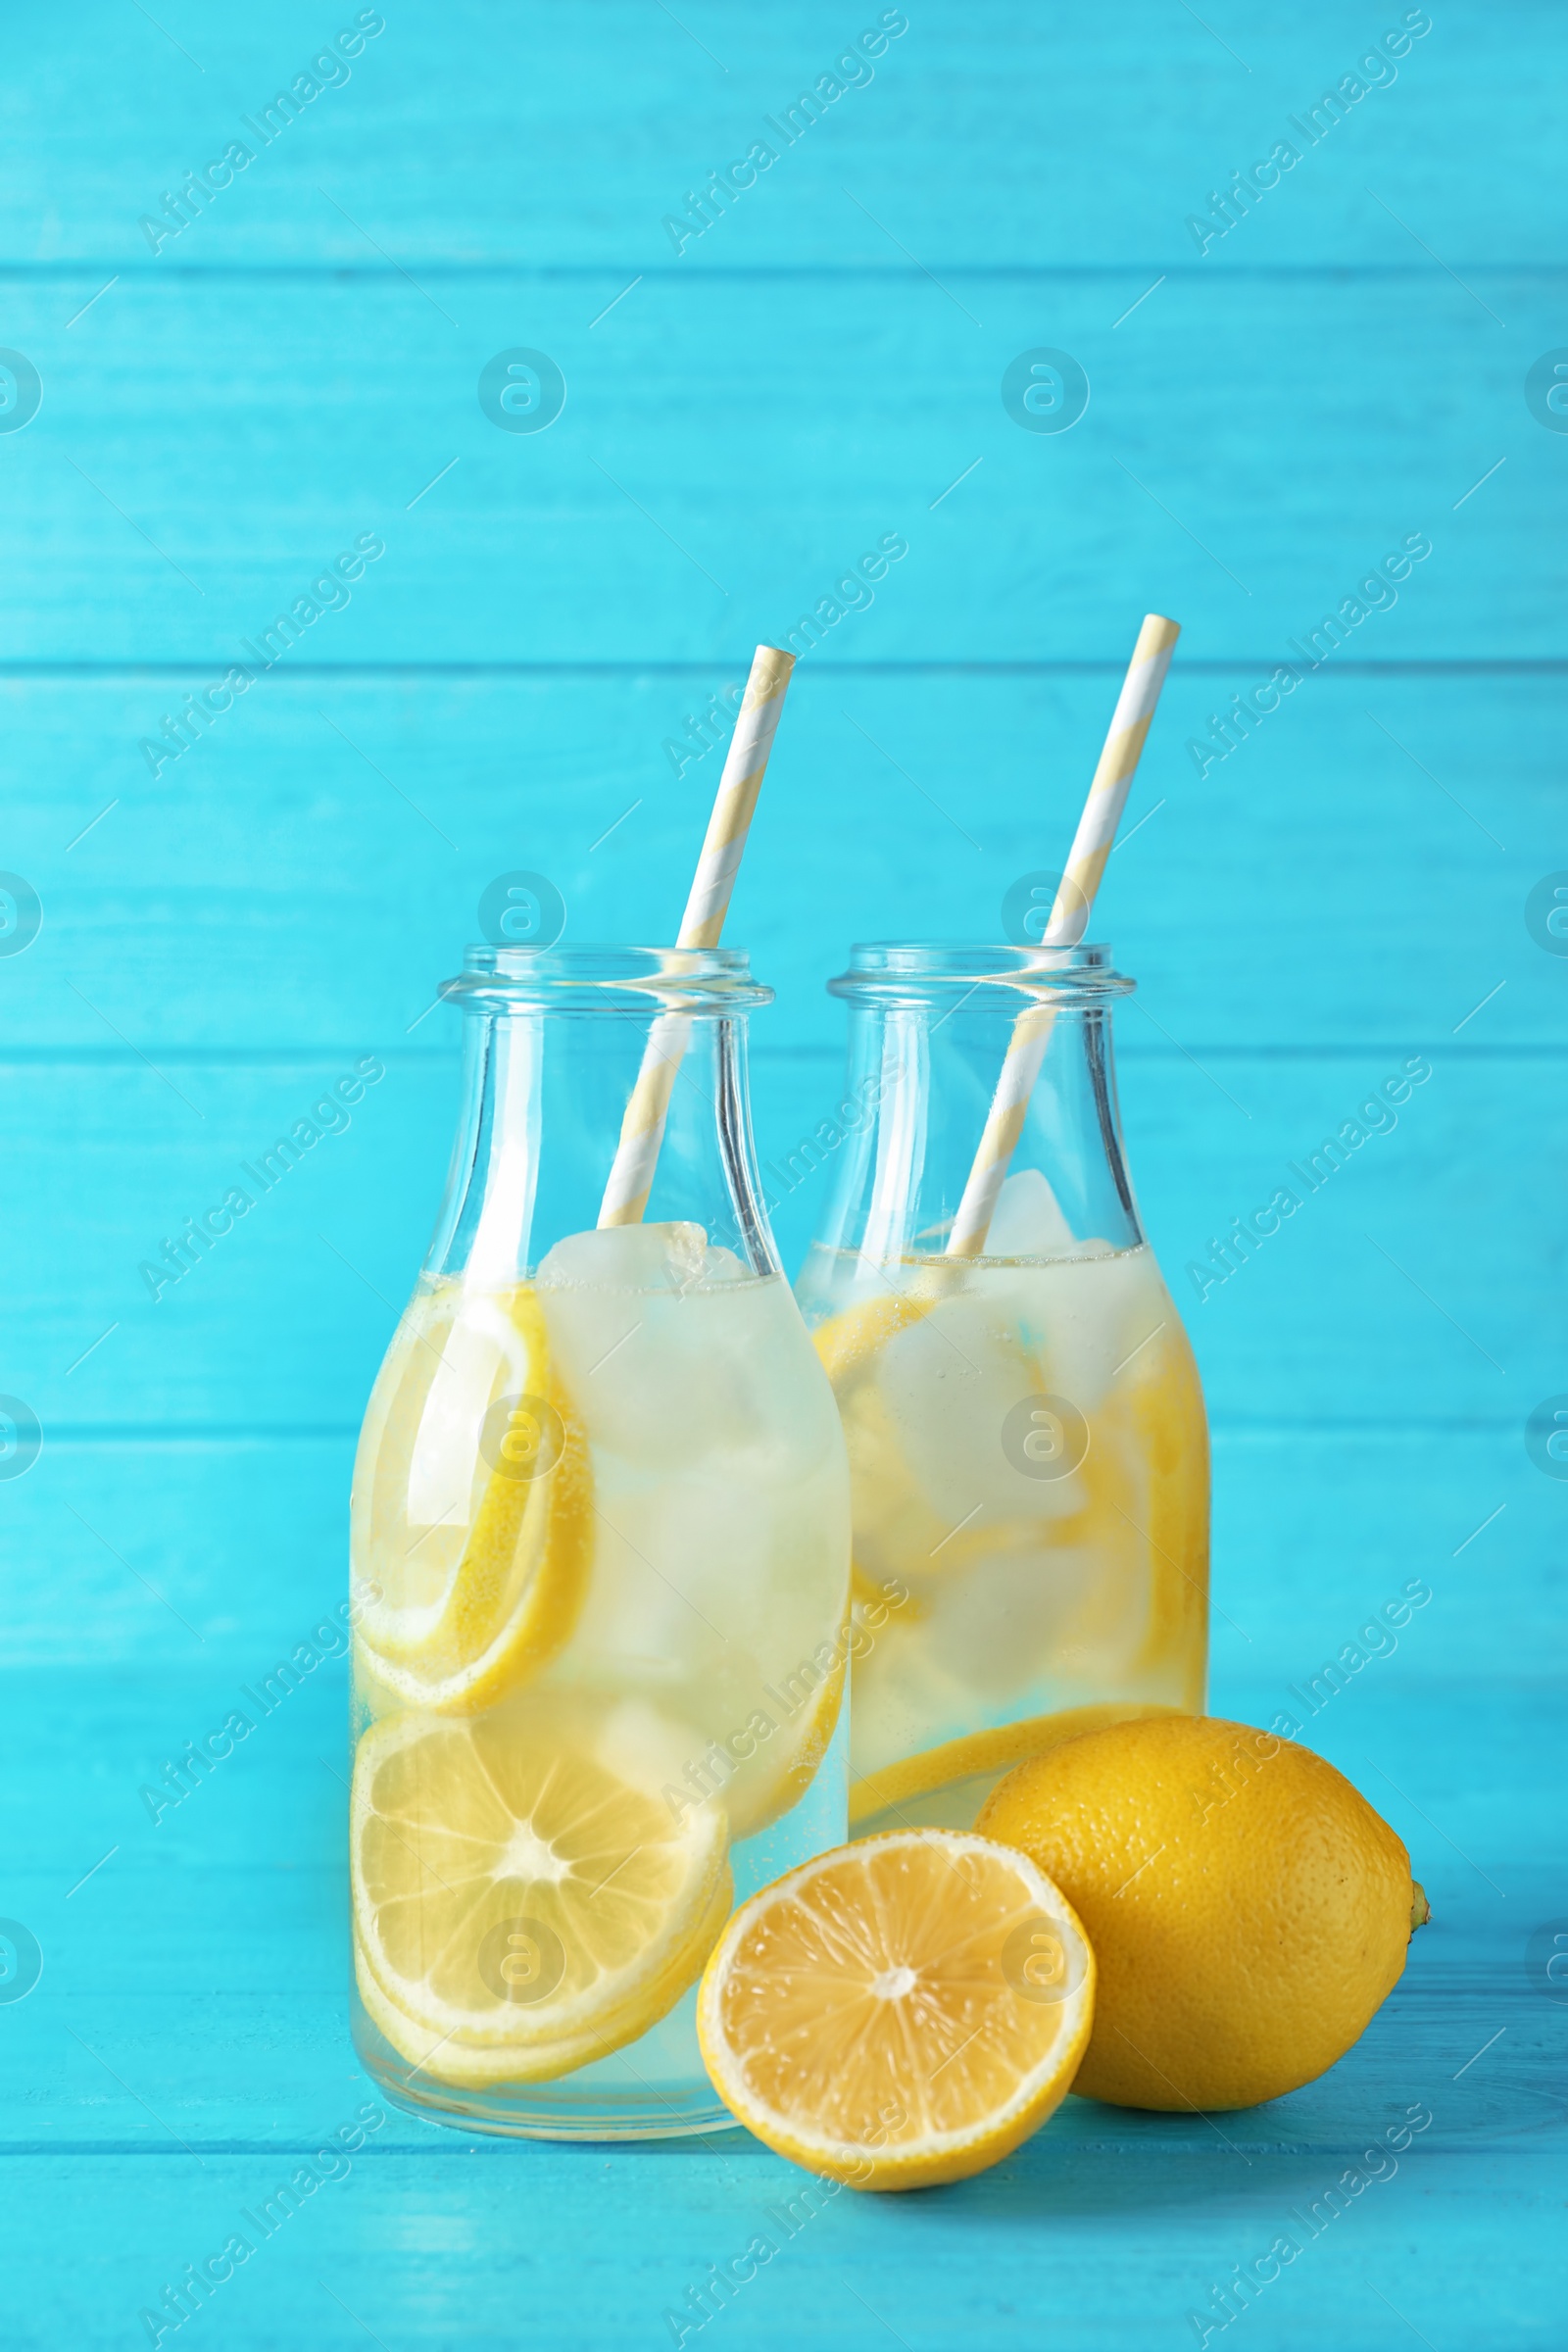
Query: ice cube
(1089, 1314)
(629, 1257)
(666, 1372)
(1028, 1221)
(949, 1381)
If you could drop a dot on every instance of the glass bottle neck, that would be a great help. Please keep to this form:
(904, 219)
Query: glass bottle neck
(544, 1113)
(995, 1130)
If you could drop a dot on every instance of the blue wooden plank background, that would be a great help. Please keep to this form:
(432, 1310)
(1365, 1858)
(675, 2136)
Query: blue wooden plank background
(194, 424)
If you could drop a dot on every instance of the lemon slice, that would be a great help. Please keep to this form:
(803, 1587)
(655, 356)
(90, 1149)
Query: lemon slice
(765, 1789)
(445, 2059)
(515, 1592)
(995, 1750)
(900, 2012)
(1171, 1431)
(519, 1881)
(849, 1342)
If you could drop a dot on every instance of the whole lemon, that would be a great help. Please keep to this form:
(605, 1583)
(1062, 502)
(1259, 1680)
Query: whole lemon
(1247, 1909)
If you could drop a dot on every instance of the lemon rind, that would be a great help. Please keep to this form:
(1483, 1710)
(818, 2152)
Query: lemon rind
(556, 1515)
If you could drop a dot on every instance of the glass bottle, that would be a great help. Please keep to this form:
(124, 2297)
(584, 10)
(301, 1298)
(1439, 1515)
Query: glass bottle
(1028, 1446)
(600, 1570)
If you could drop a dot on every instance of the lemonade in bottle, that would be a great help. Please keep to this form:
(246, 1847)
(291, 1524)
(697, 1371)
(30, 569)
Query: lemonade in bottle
(1027, 1439)
(600, 1570)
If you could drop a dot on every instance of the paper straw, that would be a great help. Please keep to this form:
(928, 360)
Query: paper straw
(1069, 921)
(642, 1129)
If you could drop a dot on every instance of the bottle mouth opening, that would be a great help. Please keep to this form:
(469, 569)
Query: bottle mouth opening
(697, 980)
(916, 970)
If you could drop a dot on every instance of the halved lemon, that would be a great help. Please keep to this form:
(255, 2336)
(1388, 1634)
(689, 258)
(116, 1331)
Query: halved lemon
(515, 1592)
(901, 2012)
(520, 1884)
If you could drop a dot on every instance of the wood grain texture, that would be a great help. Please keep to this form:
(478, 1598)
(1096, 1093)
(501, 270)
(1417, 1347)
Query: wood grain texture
(1248, 454)
(995, 137)
(1362, 862)
(1347, 888)
(216, 2060)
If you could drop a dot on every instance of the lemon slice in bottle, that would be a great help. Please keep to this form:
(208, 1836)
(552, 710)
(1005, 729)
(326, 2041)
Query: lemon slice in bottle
(901, 2012)
(1170, 1429)
(767, 1786)
(466, 2067)
(443, 2059)
(850, 1342)
(513, 1594)
(992, 1752)
(521, 1886)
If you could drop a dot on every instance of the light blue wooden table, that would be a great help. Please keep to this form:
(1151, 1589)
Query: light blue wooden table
(1361, 360)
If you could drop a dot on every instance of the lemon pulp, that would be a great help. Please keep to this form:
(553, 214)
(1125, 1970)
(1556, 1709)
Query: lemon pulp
(514, 1886)
(901, 2012)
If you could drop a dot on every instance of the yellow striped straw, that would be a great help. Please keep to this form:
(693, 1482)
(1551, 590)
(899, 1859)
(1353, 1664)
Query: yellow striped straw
(1069, 920)
(642, 1128)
